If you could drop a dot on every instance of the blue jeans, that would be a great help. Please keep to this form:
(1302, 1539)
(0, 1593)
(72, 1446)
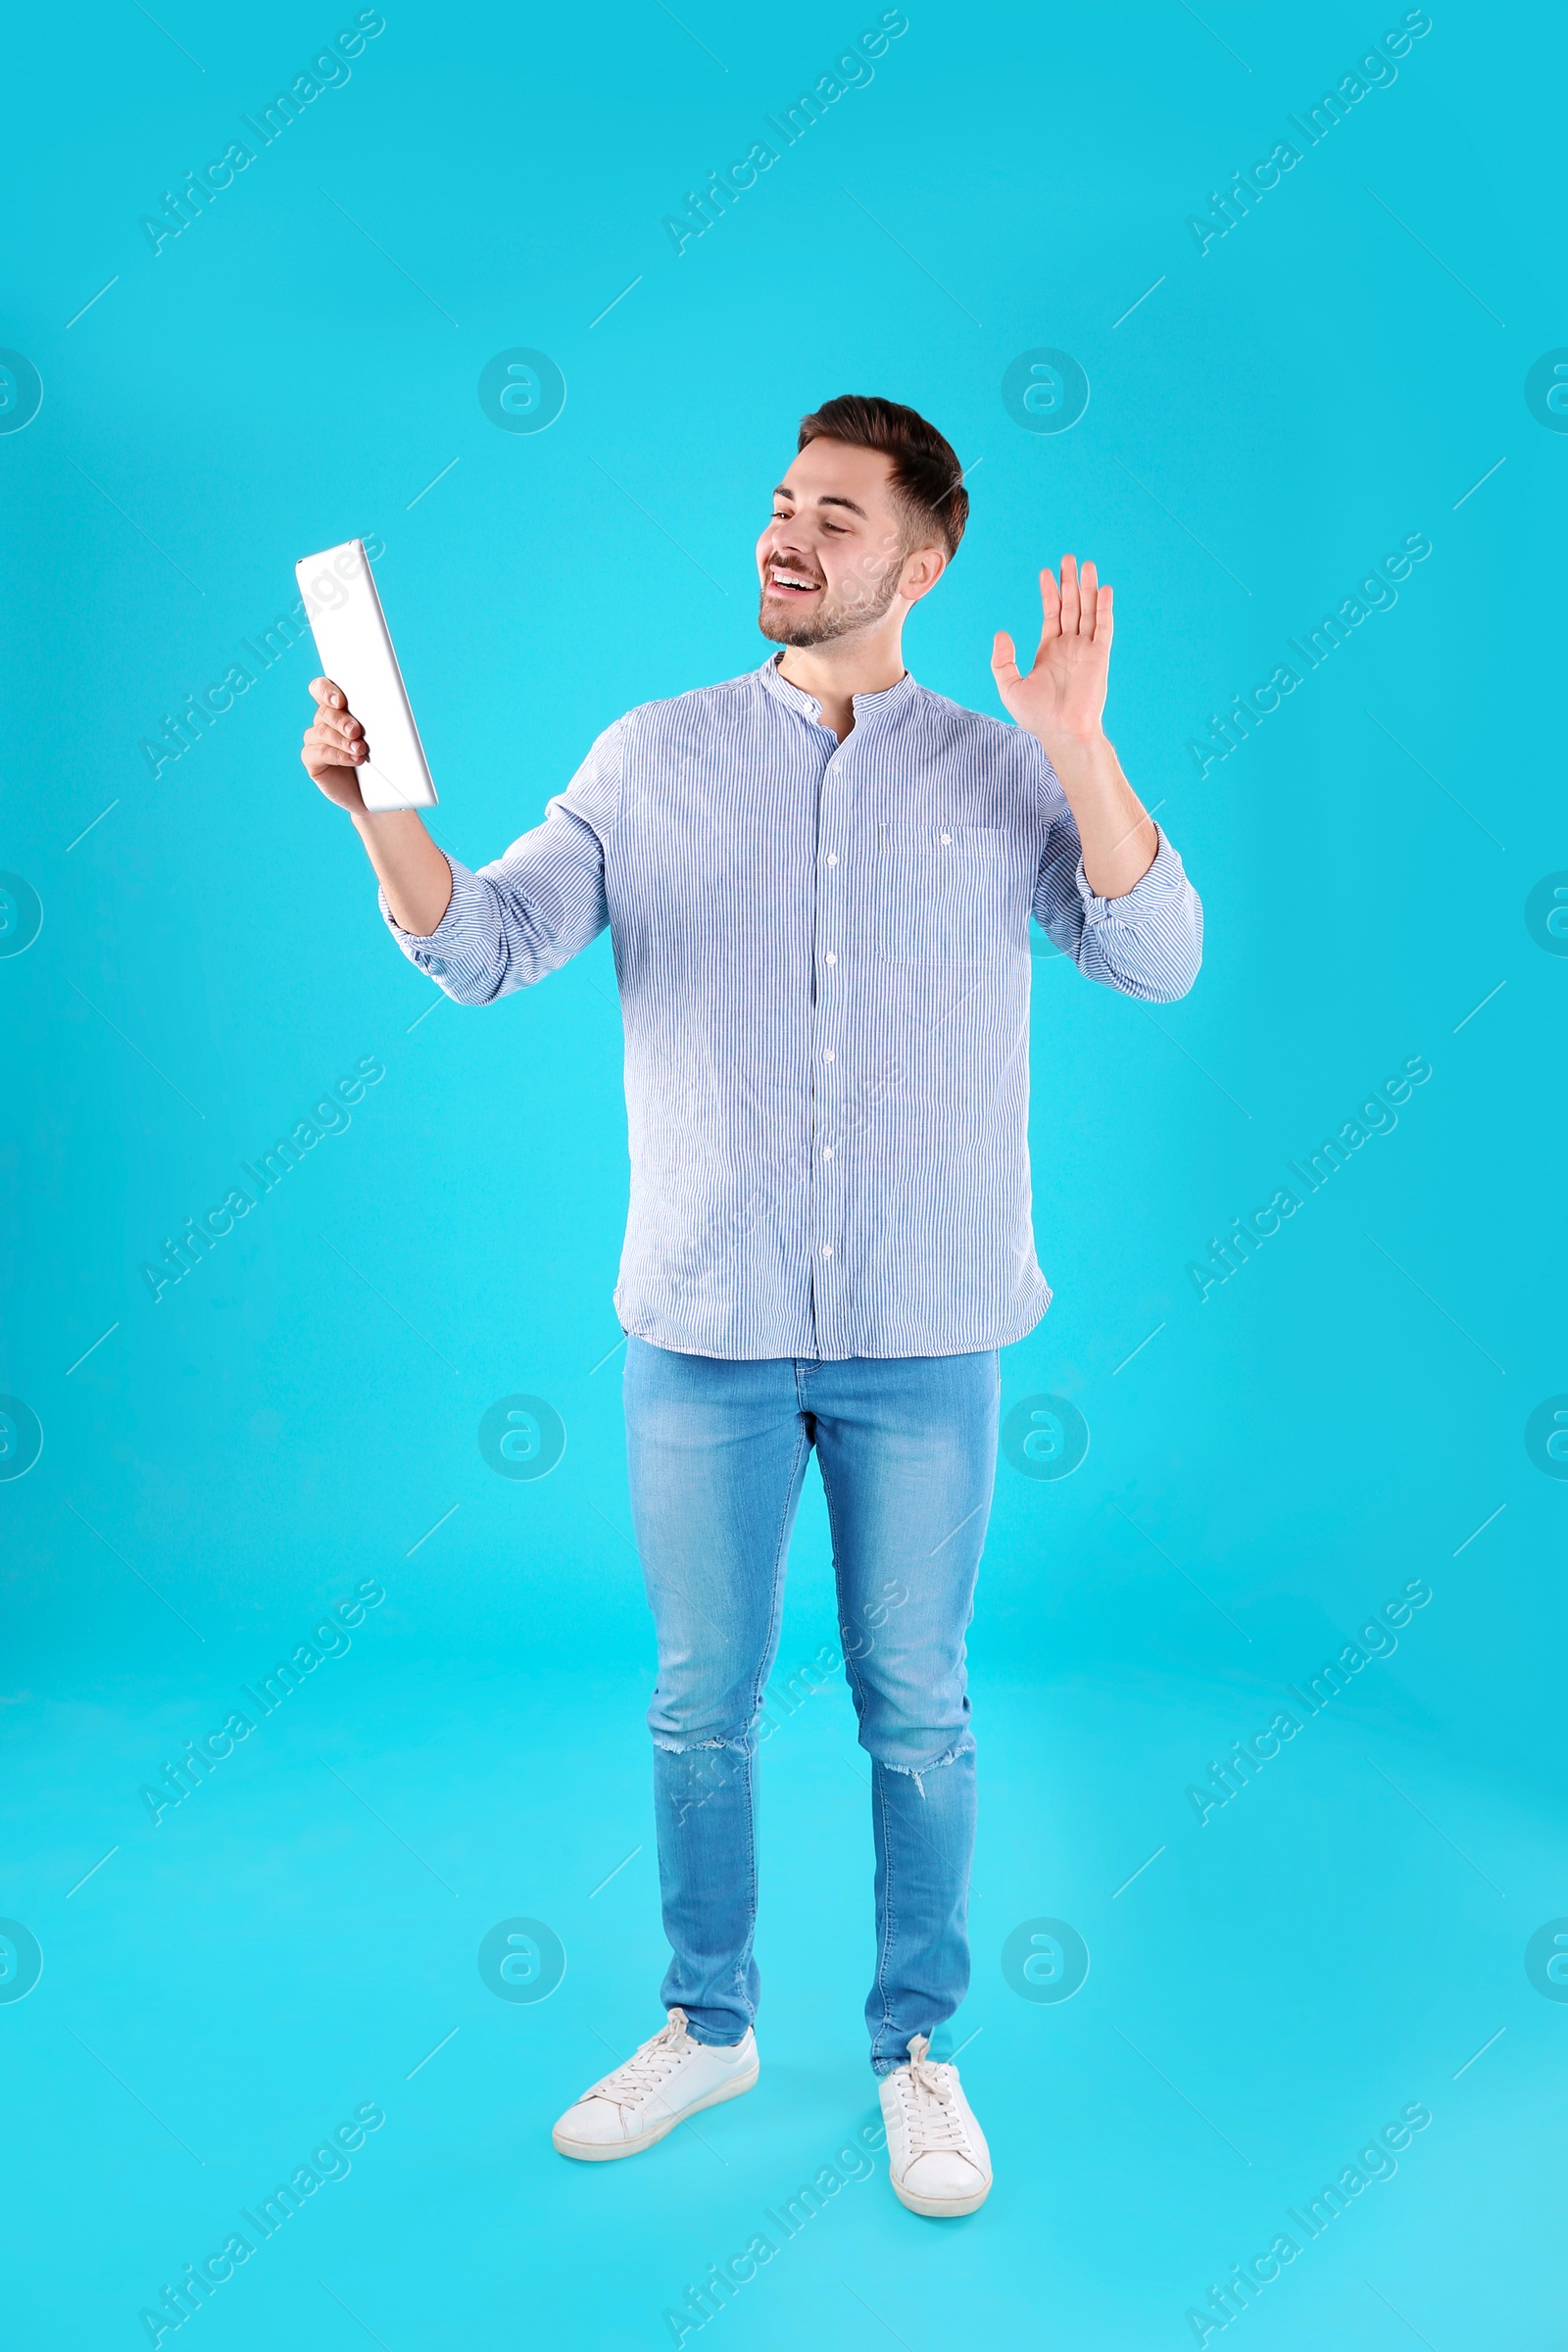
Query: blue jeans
(718, 1453)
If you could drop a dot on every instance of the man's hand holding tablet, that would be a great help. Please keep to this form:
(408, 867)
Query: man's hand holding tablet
(334, 747)
(409, 868)
(371, 763)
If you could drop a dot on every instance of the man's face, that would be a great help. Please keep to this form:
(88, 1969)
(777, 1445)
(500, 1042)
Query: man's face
(835, 553)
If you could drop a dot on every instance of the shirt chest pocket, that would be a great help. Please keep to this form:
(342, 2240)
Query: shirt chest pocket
(940, 893)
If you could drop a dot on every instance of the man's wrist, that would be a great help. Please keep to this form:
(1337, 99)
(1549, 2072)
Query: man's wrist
(1083, 746)
(384, 824)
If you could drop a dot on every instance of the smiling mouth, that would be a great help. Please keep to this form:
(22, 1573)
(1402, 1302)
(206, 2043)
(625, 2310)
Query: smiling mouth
(790, 584)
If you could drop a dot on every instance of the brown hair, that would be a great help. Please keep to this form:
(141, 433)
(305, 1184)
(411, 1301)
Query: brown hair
(927, 478)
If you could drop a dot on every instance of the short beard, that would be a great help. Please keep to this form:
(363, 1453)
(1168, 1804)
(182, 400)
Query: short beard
(831, 620)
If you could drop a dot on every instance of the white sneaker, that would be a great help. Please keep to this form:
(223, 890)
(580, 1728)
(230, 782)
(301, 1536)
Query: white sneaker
(671, 2078)
(937, 2160)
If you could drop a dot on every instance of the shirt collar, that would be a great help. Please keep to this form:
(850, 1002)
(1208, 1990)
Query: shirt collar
(867, 707)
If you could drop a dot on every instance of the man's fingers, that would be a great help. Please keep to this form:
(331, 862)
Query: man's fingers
(341, 724)
(323, 750)
(1105, 619)
(1069, 596)
(335, 724)
(1004, 660)
(1087, 586)
(1049, 606)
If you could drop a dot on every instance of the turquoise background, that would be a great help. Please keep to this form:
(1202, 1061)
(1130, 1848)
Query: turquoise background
(1267, 418)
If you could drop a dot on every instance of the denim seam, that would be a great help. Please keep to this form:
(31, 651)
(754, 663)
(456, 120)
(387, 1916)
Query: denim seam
(743, 1957)
(878, 1787)
(881, 1799)
(838, 1588)
(775, 1614)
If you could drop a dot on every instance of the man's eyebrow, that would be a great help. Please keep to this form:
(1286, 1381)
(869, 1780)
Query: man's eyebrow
(784, 491)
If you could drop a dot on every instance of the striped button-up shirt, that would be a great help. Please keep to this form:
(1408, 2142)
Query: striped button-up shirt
(823, 956)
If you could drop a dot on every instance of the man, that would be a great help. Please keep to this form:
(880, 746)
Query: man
(818, 880)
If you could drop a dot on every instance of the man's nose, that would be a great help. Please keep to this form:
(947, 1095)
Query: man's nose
(792, 545)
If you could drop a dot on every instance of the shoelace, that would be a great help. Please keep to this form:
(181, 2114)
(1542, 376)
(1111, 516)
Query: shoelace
(646, 2068)
(926, 2092)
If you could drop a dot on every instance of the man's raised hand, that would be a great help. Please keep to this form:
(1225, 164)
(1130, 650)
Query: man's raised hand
(1061, 699)
(334, 745)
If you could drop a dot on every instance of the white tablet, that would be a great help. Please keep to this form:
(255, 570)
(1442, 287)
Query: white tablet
(355, 652)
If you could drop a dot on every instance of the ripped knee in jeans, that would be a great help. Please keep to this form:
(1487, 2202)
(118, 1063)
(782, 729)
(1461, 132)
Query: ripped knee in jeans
(712, 1766)
(917, 1772)
(692, 1747)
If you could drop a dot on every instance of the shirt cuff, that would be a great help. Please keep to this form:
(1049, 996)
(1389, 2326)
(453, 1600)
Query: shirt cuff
(469, 902)
(1164, 877)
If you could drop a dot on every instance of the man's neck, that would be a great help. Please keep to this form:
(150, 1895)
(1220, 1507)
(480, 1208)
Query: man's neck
(835, 673)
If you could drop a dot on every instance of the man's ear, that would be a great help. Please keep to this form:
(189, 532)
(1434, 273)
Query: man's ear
(922, 569)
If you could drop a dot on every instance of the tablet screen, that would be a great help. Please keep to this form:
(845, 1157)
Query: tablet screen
(355, 648)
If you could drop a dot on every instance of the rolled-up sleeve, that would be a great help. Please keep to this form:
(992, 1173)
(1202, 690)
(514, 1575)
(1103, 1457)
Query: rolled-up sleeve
(1148, 942)
(535, 908)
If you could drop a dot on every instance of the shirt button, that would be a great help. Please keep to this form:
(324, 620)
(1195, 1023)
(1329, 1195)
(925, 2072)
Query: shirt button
(827, 1150)
(827, 1248)
(828, 1055)
(832, 858)
(946, 839)
(832, 958)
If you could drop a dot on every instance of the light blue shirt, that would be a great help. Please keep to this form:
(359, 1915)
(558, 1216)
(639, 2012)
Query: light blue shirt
(823, 959)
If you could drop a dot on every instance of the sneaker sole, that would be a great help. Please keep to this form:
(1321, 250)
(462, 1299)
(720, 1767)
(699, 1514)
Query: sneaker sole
(591, 2152)
(939, 2209)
